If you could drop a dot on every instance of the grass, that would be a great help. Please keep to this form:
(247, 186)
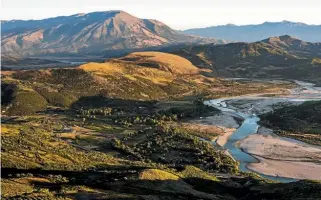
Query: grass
(67, 172)
(118, 79)
(156, 174)
(207, 132)
(163, 61)
(16, 187)
(123, 144)
(194, 172)
(36, 147)
(26, 103)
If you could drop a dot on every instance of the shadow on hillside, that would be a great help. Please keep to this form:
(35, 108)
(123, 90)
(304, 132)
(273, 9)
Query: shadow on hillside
(101, 101)
(122, 179)
(7, 93)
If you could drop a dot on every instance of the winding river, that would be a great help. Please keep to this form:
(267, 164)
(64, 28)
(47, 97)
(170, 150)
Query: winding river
(247, 108)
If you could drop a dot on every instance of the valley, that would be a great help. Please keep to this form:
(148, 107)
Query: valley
(81, 133)
(265, 152)
(124, 149)
(107, 105)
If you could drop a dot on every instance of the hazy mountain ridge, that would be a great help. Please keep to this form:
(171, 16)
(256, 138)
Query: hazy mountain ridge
(252, 33)
(88, 33)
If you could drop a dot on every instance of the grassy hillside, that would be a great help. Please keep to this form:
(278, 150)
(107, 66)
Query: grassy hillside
(105, 158)
(125, 149)
(134, 77)
(163, 61)
(119, 130)
(277, 57)
(301, 122)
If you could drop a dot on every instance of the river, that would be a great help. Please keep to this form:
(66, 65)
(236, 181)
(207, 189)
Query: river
(247, 108)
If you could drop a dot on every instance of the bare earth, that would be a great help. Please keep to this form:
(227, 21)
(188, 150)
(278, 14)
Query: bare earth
(279, 157)
(221, 140)
(225, 124)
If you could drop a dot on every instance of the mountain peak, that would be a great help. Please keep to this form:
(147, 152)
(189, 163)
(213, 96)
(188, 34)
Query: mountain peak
(96, 32)
(282, 38)
(287, 37)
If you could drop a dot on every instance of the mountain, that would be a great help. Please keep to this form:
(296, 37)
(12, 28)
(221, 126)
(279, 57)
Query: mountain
(253, 33)
(13, 60)
(88, 34)
(275, 57)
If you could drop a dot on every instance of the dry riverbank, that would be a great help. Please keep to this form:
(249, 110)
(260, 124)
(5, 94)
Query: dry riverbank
(225, 126)
(279, 157)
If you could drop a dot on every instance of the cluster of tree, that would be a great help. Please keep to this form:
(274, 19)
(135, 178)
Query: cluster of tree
(196, 109)
(119, 145)
(172, 146)
(104, 111)
(147, 120)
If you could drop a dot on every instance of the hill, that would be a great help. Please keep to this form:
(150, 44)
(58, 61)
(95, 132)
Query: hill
(91, 33)
(115, 130)
(163, 61)
(302, 122)
(253, 33)
(137, 76)
(276, 57)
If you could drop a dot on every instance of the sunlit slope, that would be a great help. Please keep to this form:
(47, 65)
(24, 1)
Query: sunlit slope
(138, 76)
(145, 61)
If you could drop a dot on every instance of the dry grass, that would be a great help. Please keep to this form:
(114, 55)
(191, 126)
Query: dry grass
(165, 61)
(128, 71)
(145, 62)
(208, 132)
(14, 187)
(156, 174)
(194, 172)
(7, 129)
(19, 186)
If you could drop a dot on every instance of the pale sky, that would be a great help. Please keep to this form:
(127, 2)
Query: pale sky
(178, 14)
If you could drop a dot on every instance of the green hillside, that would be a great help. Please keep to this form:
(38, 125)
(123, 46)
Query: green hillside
(301, 122)
(277, 57)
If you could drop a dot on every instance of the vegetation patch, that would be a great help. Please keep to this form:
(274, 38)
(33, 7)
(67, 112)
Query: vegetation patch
(27, 103)
(302, 122)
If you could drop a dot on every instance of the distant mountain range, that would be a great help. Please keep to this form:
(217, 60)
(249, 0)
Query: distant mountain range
(91, 33)
(275, 57)
(253, 33)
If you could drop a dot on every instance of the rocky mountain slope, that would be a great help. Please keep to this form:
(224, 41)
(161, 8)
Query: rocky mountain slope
(91, 33)
(252, 33)
(276, 57)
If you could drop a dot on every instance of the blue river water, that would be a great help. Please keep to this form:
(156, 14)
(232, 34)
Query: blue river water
(250, 124)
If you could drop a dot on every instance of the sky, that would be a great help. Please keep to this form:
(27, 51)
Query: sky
(178, 14)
